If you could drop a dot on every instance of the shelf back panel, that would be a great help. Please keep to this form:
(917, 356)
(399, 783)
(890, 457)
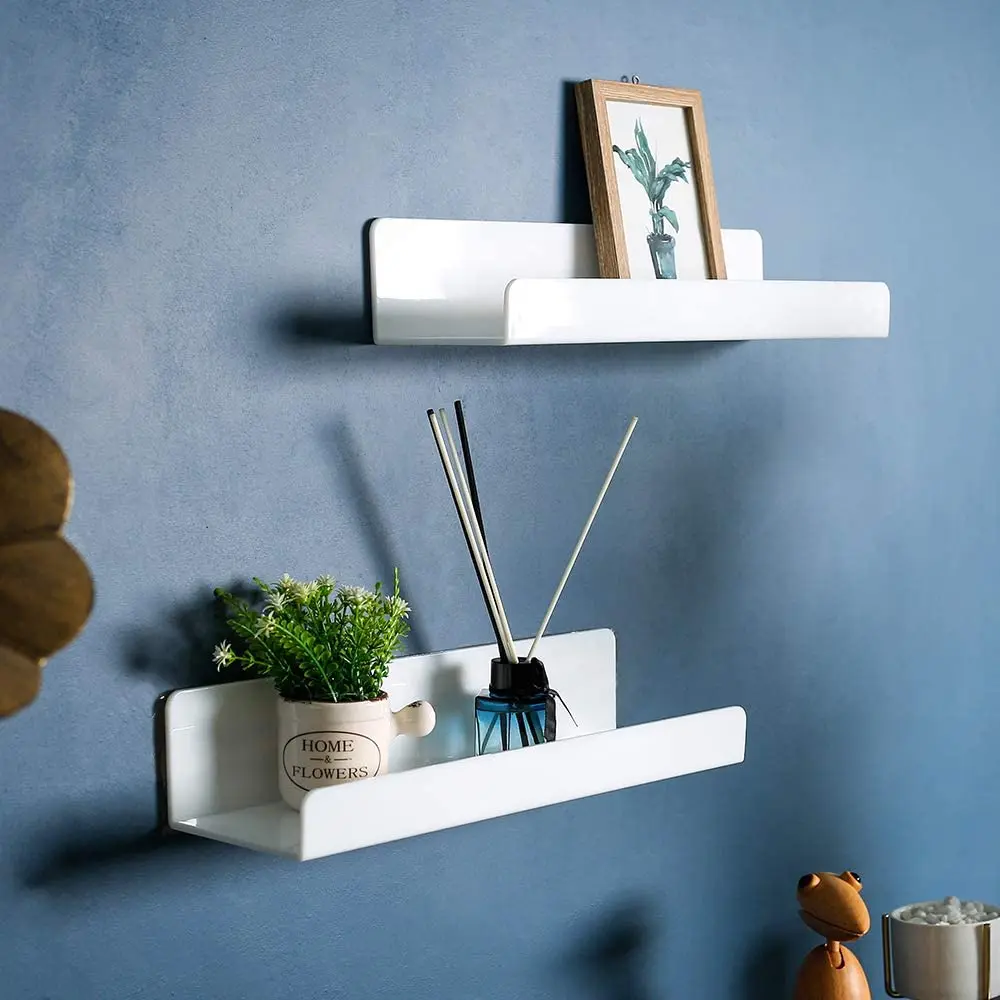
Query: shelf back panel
(443, 282)
(221, 745)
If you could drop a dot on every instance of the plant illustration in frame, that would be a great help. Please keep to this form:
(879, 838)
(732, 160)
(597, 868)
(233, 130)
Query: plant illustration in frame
(642, 162)
(638, 142)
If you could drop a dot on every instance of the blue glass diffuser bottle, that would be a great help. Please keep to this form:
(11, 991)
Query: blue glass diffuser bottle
(518, 710)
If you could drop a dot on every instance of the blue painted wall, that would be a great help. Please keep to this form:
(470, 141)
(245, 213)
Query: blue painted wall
(807, 529)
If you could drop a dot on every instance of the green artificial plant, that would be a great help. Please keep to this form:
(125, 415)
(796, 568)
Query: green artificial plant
(642, 163)
(315, 641)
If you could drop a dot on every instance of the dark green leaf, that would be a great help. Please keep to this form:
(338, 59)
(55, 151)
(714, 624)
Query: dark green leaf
(644, 151)
(670, 216)
(632, 160)
(674, 171)
(659, 188)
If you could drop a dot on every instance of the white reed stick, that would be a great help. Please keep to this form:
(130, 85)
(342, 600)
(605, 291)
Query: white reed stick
(463, 516)
(583, 536)
(505, 633)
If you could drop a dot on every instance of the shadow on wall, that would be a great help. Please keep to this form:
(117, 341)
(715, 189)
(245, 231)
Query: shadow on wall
(177, 651)
(352, 477)
(78, 850)
(768, 970)
(612, 960)
(574, 196)
(306, 321)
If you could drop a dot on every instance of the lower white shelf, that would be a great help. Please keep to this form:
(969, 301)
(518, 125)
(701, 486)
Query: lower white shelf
(520, 283)
(440, 796)
(221, 756)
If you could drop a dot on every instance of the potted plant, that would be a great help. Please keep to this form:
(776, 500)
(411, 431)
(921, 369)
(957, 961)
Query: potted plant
(327, 650)
(642, 163)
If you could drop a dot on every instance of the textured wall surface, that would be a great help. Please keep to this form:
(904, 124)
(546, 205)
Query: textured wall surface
(807, 529)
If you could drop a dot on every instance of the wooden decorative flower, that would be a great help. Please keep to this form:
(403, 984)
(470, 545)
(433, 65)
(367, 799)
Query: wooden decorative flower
(46, 591)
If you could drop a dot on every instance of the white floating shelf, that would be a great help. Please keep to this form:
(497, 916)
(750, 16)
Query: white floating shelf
(221, 756)
(510, 283)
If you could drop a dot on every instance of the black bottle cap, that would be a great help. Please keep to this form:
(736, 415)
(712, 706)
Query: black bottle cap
(525, 678)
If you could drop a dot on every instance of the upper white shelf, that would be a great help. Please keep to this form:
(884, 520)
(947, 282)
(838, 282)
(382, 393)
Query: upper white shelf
(508, 283)
(221, 755)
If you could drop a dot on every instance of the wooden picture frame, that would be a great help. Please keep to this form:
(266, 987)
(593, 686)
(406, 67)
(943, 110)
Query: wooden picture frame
(629, 201)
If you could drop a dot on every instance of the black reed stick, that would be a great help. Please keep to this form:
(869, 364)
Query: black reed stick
(468, 538)
(470, 476)
(470, 472)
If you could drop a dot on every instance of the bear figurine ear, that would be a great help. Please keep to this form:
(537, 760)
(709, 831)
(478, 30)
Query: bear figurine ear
(853, 879)
(808, 882)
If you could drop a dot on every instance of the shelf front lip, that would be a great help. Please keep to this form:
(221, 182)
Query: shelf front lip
(602, 310)
(456, 793)
(460, 792)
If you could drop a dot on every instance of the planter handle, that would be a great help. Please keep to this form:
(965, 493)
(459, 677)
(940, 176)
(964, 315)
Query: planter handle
(415, 719)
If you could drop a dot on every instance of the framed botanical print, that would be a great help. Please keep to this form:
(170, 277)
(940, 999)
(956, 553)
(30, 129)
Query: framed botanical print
(650, 180)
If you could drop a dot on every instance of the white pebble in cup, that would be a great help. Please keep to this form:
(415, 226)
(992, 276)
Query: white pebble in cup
(951, 911)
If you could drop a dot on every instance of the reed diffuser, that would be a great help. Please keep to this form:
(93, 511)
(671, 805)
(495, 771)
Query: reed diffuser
(519, 707)
(517, 710)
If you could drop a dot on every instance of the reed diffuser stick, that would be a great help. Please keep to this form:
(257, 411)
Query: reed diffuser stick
(449, 472)
(470, 474)
(583, 536)
(466, 493)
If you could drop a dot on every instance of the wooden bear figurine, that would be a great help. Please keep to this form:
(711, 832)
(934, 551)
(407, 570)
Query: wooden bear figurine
(832, 906)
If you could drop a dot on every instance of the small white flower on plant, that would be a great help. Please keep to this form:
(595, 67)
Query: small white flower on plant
(286, 583)
(303, 591)
(277, 599)
(265, 626)
(398, 606)
(356, 596)
(325, 581)
(223, 654)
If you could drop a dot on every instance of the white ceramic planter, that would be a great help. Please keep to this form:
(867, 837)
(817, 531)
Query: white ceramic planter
(940, 962)
(328, 743)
